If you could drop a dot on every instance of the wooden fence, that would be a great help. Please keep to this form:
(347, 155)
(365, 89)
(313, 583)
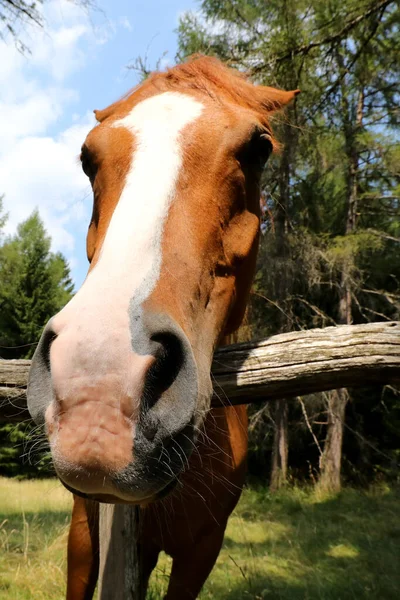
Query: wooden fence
(283, 366)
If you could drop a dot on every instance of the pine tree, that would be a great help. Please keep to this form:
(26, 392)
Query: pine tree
(34, 284)
(3, 217)
(329, 250)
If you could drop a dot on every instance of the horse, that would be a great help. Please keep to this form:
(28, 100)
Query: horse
(121, 376)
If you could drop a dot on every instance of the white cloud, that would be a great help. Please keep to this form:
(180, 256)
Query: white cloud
(126, 24)
(33, 114)
(59, 52)
(38, 157)
(43, 172)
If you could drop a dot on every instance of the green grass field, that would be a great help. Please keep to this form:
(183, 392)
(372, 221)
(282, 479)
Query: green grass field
(290, 546)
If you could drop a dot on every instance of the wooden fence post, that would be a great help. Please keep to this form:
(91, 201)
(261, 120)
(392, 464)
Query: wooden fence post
(119, 574)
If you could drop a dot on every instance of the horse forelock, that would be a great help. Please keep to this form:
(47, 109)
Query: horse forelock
(207, 76)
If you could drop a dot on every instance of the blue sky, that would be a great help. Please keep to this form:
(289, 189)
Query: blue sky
(77, 63)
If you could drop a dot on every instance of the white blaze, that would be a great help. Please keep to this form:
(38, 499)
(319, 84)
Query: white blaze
(130, 259)
(134, 233)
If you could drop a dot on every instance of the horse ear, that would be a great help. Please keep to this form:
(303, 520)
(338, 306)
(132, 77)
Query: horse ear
(103, 114)
(99, 115)
(274, 99)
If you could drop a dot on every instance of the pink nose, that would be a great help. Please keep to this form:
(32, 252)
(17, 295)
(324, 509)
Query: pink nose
(91, 421)
(118, 404)
(90, 441)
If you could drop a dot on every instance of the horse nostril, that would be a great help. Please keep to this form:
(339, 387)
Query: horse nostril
(162, 374)
(47, 339)
(40, 388)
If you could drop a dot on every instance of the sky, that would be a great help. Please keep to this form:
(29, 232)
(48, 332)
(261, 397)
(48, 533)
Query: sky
(77, 63)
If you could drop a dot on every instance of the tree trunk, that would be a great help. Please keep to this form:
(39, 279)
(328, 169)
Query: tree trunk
(279, 458)
(280, 449)
(331, 460)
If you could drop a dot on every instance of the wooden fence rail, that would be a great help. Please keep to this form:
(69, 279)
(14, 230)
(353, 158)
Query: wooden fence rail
(283, 366)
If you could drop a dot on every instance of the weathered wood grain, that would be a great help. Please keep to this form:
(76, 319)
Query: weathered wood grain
(13, 379)
(303, 362)
(119, 574)
(14, 373)
(282, 366)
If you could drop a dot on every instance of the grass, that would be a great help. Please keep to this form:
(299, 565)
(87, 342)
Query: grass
(34, 517)
(294, 545)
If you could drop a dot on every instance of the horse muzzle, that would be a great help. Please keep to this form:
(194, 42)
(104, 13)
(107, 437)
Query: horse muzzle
(120, 418)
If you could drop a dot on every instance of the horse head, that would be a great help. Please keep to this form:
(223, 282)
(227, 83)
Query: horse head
(121, 376)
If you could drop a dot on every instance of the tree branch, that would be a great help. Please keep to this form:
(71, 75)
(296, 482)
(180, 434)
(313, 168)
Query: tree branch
(335, 37)
(382, 234)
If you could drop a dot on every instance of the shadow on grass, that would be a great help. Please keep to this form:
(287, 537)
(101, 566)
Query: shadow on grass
(340, 548)
(260, 588)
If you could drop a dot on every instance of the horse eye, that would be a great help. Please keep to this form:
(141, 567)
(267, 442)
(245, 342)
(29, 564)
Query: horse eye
(260, 149)
(88, 166)
(257, 150)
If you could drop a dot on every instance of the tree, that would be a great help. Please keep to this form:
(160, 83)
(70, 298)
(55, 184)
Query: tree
(18, 12)
(34, 284)
(18, 15)
(354, 66)
(331, 198)
(3, 217)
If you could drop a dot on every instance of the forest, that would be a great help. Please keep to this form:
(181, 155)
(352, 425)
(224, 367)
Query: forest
(35, 283)
(329, 251)
(330, 240)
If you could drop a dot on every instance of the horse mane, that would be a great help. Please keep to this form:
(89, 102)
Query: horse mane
(211, 77)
